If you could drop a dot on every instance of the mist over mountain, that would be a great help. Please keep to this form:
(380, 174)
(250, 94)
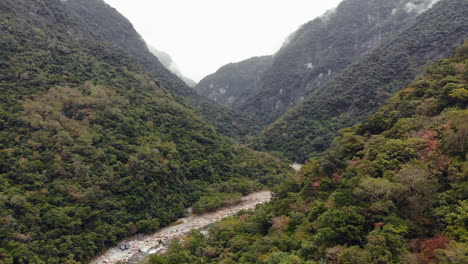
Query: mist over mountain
(322, 48)
(169, 63)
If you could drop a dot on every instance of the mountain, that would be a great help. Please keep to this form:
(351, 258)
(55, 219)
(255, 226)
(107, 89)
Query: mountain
(93, 148)
(390, 190)
(169, 63)
(323, 48)
(107, 23)
(359, 90)
(233, 83)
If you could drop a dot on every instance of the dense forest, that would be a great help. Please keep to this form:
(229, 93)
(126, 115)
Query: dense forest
(99, 142)
(93, 149)
(392, 189)
(309, 128)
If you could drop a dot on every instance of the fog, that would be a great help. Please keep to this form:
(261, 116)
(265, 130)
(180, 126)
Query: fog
(203, 35)
(420, 6)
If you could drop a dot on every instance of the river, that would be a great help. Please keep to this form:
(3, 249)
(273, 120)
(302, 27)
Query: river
(140, 247)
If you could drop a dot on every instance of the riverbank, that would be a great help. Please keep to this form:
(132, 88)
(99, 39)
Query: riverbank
(155, 243)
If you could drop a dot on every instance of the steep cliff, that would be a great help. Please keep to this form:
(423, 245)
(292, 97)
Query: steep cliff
(232, 84)
(359, 90)
(323, 48)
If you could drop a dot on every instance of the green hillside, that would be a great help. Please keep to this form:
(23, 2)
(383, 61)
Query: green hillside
(390, 190)
(92, 148)
(108, 24)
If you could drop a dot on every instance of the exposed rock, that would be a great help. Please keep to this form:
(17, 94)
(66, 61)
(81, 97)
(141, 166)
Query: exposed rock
(137, 249)
(232, 84)
(124, 245)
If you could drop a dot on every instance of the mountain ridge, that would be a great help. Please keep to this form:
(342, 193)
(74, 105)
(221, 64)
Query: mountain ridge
(345, 99)
(107, 23)
(93, 149)
(322, 48)
(389, 190)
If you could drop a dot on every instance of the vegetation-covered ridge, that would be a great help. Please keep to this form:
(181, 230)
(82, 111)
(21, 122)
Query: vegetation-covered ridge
(393, 189)
(108, 24)
(346, 99)
(92, 148)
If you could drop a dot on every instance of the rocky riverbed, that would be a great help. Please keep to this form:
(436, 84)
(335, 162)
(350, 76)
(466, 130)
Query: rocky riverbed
(137, 248)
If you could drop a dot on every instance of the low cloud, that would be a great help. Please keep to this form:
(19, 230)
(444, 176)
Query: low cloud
(419, 6)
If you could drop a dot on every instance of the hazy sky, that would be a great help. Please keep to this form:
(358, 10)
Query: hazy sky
(203, 35)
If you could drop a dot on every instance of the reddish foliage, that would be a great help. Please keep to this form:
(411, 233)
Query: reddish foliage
(280, 223)
(443, 163)
(356, 161)
(424, 250)
(432, 143)
(336, 177)
(316, 184)
(379, 224)
(460, 67)
(446, 127)
(415, 244)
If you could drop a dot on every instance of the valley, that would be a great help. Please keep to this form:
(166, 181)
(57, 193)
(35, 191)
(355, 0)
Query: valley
(347, 145)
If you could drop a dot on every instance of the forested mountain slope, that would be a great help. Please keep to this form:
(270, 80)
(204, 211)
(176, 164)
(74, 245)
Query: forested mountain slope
(111, 26)
(366, 84)
(324, 47)
(93, 148)
(232, 84)
(390, 190)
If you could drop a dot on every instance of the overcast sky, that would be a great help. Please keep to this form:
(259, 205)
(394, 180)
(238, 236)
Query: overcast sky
(203, 35)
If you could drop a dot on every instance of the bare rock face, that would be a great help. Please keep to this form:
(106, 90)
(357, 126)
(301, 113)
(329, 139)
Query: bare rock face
(319, 50)
(232, 84)
(322, 48)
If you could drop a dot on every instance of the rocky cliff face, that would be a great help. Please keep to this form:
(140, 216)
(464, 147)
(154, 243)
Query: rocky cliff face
(359, 90)
(233, 83)
(323, 48)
